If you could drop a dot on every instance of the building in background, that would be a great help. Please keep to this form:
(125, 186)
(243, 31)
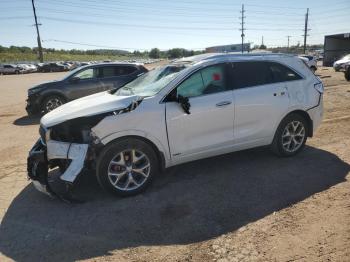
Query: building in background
(228, 48)
(335, 47)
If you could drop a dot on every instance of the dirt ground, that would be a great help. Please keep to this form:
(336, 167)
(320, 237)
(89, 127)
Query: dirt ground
(244, 206)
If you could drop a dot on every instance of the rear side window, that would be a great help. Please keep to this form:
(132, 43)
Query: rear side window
(247, 74)
(107, 71)
(110, 71)
(281, 73)
(255, 73)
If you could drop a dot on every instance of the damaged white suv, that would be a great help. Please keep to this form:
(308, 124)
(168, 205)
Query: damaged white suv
(216, 103)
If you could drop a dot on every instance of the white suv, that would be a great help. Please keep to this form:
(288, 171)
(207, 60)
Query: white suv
(216, 104)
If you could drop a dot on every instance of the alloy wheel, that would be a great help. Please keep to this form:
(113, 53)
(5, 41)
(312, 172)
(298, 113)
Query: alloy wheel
(129, 170)
(53, 103)
(293, 136)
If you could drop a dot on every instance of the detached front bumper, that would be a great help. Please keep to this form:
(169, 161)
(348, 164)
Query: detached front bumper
(44, 157)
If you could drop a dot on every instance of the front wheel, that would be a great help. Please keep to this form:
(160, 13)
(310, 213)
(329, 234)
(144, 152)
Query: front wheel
(126, 167)
(52, 102)
(290, 136)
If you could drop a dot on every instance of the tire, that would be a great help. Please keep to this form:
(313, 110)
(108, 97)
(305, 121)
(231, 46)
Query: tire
(112, 169)
(54, 100)
(286, 132)
(347, 74)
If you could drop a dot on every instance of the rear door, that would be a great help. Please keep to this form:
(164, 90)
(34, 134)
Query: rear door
(261, 99)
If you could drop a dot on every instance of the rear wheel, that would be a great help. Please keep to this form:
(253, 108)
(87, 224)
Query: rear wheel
(290, 136)
(126, 167)
(52, 102)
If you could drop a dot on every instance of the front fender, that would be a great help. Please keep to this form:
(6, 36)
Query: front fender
(164, 149)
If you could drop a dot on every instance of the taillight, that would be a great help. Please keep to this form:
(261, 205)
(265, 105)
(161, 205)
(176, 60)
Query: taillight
(319, 87)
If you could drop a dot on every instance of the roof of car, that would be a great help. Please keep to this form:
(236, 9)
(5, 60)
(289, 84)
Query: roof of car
(114, 63)
(202, 57)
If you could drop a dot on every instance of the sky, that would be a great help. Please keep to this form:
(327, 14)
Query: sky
(192, 24)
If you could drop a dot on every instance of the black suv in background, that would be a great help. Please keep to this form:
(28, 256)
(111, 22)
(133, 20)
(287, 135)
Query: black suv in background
(81, 82)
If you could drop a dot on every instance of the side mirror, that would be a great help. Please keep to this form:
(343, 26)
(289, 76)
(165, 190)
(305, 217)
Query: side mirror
(74, 79)
(185, 104)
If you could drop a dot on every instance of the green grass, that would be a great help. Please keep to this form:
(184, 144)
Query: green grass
(30, 57)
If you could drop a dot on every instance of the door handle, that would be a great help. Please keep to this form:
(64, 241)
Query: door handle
(279, 94)
(223, 103)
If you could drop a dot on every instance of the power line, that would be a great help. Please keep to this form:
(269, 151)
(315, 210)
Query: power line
(92, 45)
(135, 25)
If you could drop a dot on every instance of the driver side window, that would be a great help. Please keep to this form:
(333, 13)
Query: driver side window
(86, 74)
(192, 86)
(206, 81)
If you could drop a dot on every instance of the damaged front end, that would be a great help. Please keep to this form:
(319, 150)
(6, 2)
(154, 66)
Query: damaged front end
(70, 148)
(69, 158)
(57, 150)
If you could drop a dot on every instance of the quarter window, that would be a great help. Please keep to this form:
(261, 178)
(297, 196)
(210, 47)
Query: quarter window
(209, 80)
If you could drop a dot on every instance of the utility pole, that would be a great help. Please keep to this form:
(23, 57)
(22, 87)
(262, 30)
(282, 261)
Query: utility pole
(305, 28)
(288, 36)
(38, 35)
(242, 26)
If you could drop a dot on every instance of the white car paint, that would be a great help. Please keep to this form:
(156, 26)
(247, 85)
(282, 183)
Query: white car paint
(90, 105)
(312, 63)
(248, 119)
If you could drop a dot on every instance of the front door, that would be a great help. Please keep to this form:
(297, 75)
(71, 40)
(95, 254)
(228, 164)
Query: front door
(83, 83)
(209, 126)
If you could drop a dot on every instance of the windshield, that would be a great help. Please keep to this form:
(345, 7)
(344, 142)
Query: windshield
(149, 83)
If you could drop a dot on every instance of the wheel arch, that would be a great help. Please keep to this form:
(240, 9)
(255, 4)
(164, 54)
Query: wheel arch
(52, 93)
(155, 145)
(307, 118)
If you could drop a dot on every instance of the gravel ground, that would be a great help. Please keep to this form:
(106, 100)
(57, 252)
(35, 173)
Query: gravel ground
(244, 206)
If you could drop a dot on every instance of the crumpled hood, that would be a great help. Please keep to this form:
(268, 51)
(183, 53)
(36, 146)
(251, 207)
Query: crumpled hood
(87, 106)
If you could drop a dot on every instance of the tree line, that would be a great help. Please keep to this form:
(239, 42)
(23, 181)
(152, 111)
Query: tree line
(153, 53)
